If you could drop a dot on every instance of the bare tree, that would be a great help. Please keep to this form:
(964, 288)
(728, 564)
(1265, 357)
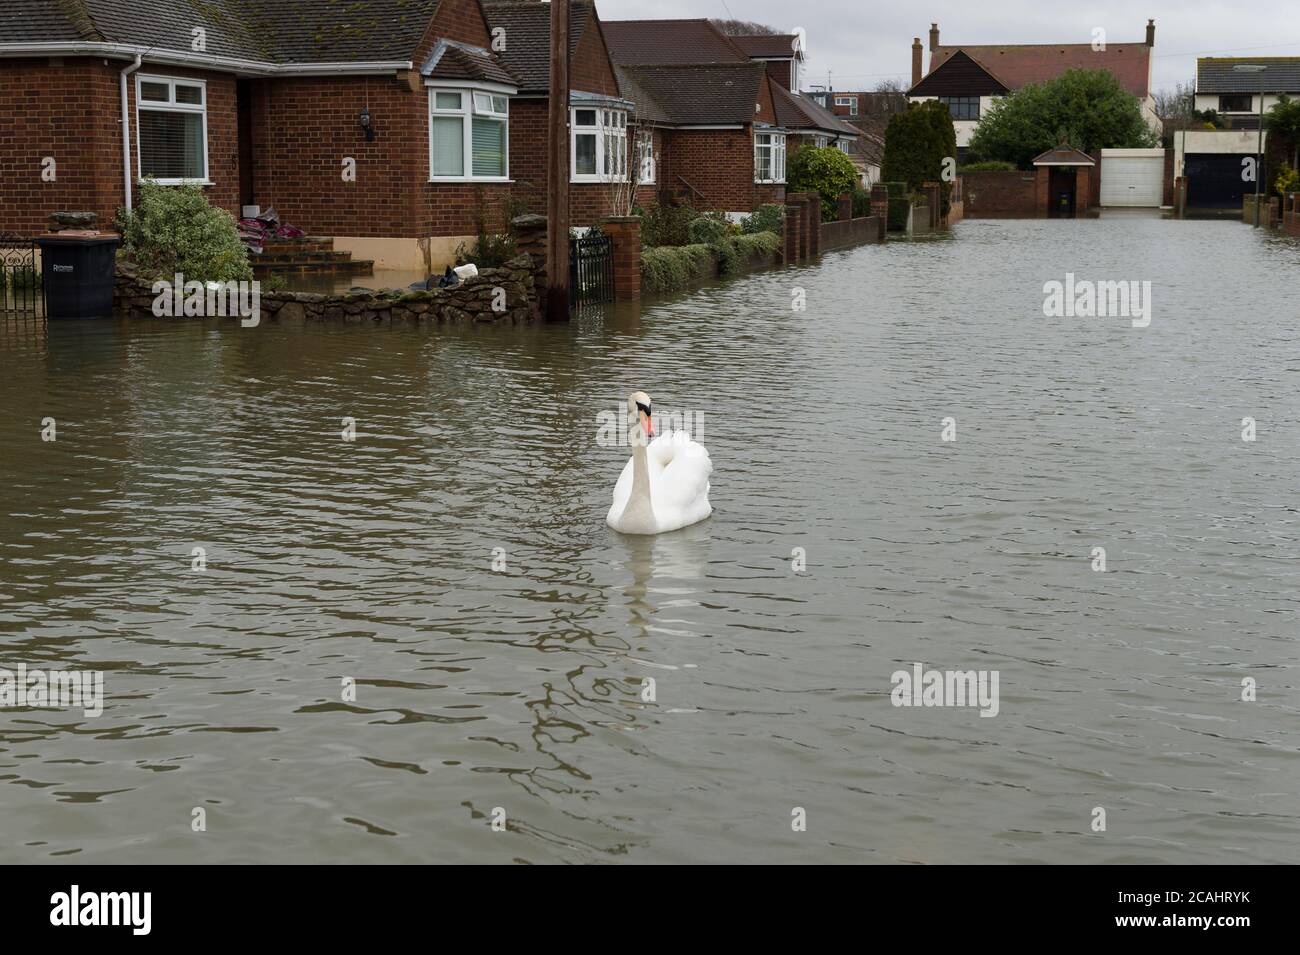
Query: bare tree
(1175, 105)
(745, 28)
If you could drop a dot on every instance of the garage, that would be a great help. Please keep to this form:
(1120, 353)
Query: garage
(1132, 178)
(1215, 180)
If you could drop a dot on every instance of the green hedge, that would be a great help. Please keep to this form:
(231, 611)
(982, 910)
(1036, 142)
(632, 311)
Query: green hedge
(989, 165)
(669, 268)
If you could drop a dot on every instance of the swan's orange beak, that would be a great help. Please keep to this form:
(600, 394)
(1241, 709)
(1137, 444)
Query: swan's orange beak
(648, 425)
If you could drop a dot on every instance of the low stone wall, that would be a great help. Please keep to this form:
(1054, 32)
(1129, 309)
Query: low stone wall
(471, 301)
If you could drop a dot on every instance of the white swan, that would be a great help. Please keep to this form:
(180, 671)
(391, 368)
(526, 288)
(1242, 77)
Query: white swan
(665, 486)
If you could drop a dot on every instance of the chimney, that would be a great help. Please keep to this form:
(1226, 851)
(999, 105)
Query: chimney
(916, 60)
(934, 36)
(1151, 33)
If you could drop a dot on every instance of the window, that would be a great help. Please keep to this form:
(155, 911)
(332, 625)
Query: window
(850, 101)
(598, 145)
(172, 129)
(962, 107)
(645, 158)
(1236, 103)
(769, 157)
(842, 145)
(469, 135)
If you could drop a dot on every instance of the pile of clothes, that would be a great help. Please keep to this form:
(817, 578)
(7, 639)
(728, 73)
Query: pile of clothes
(254, 232)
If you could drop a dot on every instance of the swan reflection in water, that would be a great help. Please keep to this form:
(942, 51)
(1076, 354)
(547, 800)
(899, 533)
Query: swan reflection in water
(667, 572)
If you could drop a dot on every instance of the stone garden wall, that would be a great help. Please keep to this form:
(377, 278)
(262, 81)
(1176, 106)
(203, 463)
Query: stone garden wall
(471, 301)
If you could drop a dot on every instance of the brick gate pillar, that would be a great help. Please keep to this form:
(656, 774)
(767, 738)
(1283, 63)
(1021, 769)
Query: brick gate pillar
(793, 229)
(626, 234)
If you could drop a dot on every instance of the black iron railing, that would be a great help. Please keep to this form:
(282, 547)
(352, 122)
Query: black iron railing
(591, 270)
(20, 279)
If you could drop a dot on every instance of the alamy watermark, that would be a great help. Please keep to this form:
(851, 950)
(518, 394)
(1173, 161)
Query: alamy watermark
(615, 429)
(922, 687)
(1084, 298)
(53, 689)
(181, 299)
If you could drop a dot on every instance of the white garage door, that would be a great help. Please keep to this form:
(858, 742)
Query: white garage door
(1132, 177)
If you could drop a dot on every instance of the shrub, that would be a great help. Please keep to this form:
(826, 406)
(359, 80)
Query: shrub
(665, 225)
(671, 267)
(769, 217)
(826, 171)
(861, 202)
(917, 142)
(175, 229)
(757, 245)
(708, 228)
(495, 244)
(989, 165)
(1288, 180)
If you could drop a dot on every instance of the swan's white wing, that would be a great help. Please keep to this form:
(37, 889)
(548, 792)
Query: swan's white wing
(680, 488)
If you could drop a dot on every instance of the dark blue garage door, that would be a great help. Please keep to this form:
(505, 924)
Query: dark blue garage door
(1214, 180)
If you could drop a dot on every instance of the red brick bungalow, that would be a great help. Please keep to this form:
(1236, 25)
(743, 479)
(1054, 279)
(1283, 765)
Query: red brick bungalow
(599, 117)
(723, 121)
(263, 104)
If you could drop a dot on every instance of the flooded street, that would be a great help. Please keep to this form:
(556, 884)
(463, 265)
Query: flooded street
(524, 689)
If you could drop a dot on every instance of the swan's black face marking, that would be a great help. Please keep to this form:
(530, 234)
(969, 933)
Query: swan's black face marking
(645, 408)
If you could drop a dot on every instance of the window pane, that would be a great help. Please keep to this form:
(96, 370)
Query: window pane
(584, 117)
(584, 154)
(488, 145)
(171, 145)
(155, 92)
(500, 104)
(446, 100)
(483, 102)
(191, 95)
(448, 134)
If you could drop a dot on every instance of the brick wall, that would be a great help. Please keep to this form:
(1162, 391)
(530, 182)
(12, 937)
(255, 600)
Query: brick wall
(718, 163)
(993, 194)
(70, 110)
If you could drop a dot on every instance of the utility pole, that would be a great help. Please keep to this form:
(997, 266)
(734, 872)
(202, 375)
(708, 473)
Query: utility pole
(557, 168)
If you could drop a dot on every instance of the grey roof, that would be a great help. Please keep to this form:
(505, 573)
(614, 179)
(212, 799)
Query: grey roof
(527, 28)
(458, 61)
(26, 20)
(648, 109)
(700, 94)
(797, 111)
(280, 31)
(1216, 75)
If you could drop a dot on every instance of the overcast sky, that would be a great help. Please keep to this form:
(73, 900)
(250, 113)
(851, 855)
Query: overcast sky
(862, 43)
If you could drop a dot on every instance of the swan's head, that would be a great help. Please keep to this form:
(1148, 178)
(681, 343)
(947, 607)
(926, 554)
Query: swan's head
(638, 409)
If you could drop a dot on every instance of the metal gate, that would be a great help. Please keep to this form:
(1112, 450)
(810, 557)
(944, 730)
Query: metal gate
(591, 270)
(20, 279)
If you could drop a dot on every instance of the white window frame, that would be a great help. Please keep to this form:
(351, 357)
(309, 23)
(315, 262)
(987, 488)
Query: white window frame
(776, 146)
(610, 132)
(171, 106)
(645, 158)
(469, 108)
(850, 101)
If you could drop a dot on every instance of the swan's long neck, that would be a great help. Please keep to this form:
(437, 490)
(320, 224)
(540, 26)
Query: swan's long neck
(638, 502)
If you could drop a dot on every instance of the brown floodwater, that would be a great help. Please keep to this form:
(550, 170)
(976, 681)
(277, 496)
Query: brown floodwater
(522, 692)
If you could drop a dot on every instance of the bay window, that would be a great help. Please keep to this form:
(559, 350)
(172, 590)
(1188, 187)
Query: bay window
(469, 135)
(172, 129)
(769, 157)
(598, 144)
